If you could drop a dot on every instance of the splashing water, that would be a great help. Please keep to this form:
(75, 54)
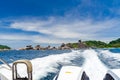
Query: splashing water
(92, 61)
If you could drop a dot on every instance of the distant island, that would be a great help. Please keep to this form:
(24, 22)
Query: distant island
(78, 45)
(4, 47)
(100, 44)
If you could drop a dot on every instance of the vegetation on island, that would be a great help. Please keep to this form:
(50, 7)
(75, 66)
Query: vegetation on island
(99, 44)
(96, 44)
(4, 47)
(78, 45)
(115, 43)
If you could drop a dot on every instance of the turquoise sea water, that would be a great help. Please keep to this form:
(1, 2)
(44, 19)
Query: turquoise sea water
(49, 62)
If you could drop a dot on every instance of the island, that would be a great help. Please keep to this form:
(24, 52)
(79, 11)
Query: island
(4, 47)
(78, 45)
(100, 44)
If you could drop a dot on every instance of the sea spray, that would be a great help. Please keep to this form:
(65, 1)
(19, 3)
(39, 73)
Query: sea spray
(48, 64)
(45, 67)
(93, 67)
(110, 59)
(42, 66)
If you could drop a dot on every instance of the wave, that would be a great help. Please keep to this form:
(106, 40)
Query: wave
(110, 59)
(42, 66)
(94, 68)
(94, 62)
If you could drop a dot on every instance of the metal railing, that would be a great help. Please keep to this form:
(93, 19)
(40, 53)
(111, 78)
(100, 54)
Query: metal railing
(4, 62)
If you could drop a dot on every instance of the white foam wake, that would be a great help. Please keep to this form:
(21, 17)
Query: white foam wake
(93, 66)
(114, 60)
(107, 54)
(111, 59)
(42, 66)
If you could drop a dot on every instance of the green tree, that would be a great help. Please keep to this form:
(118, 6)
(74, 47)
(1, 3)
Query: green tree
(96, 44)
(115, 43)
(4, 47)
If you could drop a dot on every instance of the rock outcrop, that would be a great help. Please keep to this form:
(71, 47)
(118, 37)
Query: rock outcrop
(37, 47)
(29, 47)
(82, 45)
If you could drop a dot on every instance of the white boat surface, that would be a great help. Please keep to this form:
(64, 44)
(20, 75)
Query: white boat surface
(71, 73)
(113, 74)
(12, 70)
(5, 68)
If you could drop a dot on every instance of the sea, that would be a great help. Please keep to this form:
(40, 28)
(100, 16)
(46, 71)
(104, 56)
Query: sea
(47, 63)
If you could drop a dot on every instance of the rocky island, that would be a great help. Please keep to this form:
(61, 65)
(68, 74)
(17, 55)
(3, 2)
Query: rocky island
(78, 45)
(63, 46)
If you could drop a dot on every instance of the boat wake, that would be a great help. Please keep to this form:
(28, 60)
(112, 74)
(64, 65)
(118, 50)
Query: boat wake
(112, 60)
(94, 68)
(94, 62)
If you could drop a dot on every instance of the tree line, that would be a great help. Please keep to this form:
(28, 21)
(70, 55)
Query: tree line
(98, 44)
(90, 43)
(4, 47)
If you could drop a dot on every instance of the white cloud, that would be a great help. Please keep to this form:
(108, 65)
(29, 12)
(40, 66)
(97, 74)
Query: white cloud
(13, 37)
(59, 30)
(69, 28)
(32, 38)
(73, 30)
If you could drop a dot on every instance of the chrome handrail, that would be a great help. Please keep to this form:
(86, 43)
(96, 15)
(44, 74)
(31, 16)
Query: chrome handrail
(4, 62)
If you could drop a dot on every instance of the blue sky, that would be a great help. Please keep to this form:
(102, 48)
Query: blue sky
(45, 22)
